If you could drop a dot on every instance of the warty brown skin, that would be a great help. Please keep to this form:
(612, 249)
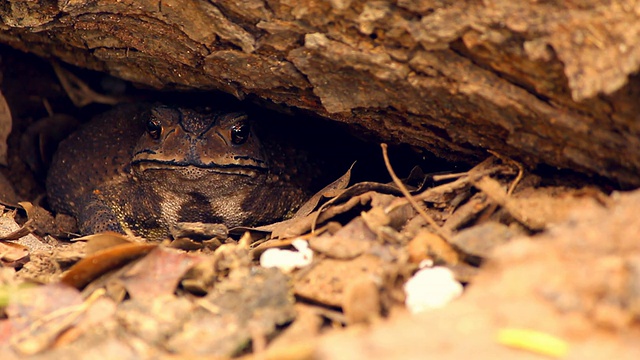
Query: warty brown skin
(145, 168)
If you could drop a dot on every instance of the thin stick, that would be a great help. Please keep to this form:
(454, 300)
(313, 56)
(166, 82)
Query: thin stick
(449, 176)
(516, 181)
(439, 230)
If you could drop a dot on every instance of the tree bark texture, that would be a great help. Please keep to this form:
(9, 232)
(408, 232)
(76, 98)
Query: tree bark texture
(542, 82)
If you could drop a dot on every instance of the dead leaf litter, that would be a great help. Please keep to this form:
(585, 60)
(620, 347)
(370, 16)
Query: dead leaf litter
(488, 261)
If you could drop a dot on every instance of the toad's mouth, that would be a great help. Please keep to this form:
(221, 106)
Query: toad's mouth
(190, 170)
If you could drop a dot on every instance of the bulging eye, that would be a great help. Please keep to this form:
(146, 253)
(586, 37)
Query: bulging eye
(240, 133)
(154, 128)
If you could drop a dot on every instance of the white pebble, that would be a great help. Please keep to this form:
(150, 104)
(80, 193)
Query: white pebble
(287, 260)
(431, 288)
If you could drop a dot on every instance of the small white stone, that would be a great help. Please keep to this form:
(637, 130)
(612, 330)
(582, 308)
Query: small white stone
(431, 288)
(287, 260)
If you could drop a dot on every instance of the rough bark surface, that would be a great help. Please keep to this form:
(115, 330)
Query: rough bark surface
(543, 82)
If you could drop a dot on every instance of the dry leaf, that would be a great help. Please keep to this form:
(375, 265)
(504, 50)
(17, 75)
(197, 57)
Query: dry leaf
(41, 220)
(13, 255)
(298, 226)
(22, 241)
(39, 316)
(328, 192)
(79, 91)
(97, 264)
(158, 273)
(360, 193)
(103, 241)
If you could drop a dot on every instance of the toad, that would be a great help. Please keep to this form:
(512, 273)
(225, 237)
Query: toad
(145, 168)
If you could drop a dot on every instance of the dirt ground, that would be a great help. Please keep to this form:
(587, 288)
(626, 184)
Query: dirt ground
(495, 261)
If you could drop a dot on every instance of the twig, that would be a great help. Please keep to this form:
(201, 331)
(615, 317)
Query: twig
(449, 176)
(24, 230)
(439, 230)
(516, 181)
(505, 159)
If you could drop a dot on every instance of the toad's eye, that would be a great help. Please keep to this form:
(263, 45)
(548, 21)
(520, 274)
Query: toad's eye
(240, 133)
(154, 128)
